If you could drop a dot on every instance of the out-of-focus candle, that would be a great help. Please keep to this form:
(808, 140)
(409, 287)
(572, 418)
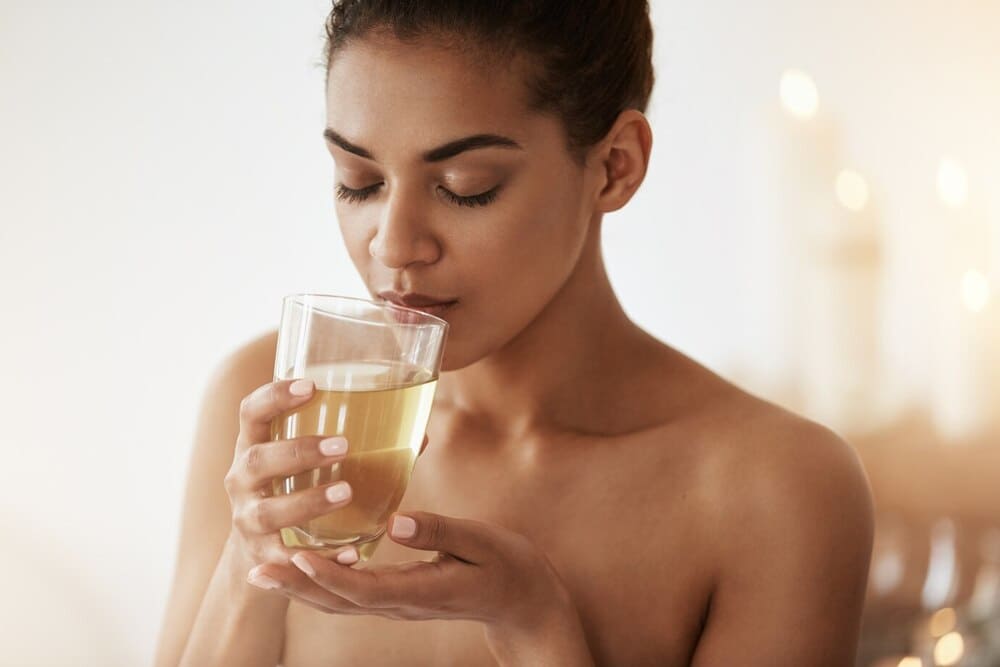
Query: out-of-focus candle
(949, 649)
(966, 389)
(793, 146)
(799, 95)
(943, 621)
(965, 392)
(841, 277)
(852, 190)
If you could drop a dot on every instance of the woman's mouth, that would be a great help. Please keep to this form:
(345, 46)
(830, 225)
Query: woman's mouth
(434, 309)
(416, 301)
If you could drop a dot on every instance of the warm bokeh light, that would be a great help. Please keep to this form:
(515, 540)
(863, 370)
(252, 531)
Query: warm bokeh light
(975, 290)
(952, 183)
(949, 649)
(852, 190)
(911, 661)
(799, 95)
(943, 621)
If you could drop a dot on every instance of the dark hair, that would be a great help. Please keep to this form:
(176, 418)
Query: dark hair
(587, 60)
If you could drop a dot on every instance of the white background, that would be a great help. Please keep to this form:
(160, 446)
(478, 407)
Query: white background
(163, 182)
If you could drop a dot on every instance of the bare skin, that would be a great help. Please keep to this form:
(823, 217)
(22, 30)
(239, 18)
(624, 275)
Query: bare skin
(659, 501)
(691, 522)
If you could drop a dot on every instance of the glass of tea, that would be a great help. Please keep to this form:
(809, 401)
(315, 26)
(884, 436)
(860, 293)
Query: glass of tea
(375, 366)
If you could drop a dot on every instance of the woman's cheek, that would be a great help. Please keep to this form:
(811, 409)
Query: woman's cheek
(357, 247)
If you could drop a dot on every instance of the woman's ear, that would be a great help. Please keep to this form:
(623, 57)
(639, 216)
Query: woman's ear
(622, 158)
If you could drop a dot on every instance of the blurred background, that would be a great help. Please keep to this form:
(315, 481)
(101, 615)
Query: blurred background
(820, 224)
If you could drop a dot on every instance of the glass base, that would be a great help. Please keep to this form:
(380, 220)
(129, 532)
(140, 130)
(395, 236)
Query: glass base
(296, 538)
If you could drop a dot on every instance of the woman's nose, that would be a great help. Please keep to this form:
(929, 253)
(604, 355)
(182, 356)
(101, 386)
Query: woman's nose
(403, 237)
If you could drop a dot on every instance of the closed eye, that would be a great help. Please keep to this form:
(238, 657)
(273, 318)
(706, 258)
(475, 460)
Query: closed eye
(482, 199)
(353, 196)
(345, 193)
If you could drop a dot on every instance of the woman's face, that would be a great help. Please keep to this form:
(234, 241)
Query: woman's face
(497, 226)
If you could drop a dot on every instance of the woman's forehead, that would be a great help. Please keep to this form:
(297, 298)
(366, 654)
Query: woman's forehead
(420, 95)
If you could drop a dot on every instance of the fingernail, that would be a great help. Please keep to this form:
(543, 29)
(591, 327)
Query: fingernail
(263, 581)
(303, 564)
(301, 387)
(404, 527)
(348, 557)
(333, 446)
(337, 492)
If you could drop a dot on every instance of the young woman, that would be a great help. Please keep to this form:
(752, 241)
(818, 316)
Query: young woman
(589, 495)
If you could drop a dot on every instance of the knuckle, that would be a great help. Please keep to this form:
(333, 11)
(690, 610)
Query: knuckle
(298, 452)
(250, 517)
(260, 513)
(246, 406)
(268, 394)
(275, 552)
(252, 402)
(240, 519)
(252, 460)
(435, 530)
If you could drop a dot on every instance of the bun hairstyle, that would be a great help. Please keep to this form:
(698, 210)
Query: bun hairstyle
(584, 61)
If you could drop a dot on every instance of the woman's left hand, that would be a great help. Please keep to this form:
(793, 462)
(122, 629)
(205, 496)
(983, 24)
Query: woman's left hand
(482, 572)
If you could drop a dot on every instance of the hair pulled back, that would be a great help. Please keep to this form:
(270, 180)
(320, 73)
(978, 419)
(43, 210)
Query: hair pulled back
(587, 60)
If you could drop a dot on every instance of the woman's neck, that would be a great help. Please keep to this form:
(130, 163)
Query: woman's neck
(553, 376)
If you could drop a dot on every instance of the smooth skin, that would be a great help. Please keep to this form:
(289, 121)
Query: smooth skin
(687, 521)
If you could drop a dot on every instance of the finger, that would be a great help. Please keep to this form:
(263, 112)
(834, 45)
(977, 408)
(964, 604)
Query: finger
(418, 584)
(297, 586)
(265, 403)
(466, 539)
(267, 515)
(423, 446)
(258, 464)
(320, 601)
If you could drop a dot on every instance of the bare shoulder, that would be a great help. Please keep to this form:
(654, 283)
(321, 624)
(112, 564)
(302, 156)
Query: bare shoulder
(793, 522)
(749, 449)
(250, 361)
(764, 456)
(746, 450)
(237, 374)
(760, 463)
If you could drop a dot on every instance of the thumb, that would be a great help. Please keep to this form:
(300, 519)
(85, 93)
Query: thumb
(467, 539)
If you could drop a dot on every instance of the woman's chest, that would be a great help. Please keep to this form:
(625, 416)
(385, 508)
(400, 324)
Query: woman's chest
(625, 543)
(627, 619)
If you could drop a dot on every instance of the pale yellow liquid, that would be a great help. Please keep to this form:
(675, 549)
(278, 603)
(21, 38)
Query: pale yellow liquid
(382, 410)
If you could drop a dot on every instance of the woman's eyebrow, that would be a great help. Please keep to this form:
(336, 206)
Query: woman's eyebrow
(439, 154)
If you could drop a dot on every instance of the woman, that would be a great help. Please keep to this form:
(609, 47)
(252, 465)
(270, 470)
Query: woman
(589, 495)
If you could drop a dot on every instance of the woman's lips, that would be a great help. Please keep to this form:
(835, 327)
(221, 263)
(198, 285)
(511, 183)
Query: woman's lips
(417, 301)
(436, 309)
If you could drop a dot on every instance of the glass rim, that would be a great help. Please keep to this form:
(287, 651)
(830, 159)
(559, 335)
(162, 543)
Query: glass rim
(432, 319)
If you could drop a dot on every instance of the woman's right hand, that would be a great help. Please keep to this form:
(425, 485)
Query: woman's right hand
(257, 514)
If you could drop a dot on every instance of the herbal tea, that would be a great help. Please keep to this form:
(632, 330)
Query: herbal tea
(382, 409)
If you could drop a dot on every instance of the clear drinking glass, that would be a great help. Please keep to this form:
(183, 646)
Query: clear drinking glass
(376, 368)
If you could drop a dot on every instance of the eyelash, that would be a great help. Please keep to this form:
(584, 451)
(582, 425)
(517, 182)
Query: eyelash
(354, 196)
